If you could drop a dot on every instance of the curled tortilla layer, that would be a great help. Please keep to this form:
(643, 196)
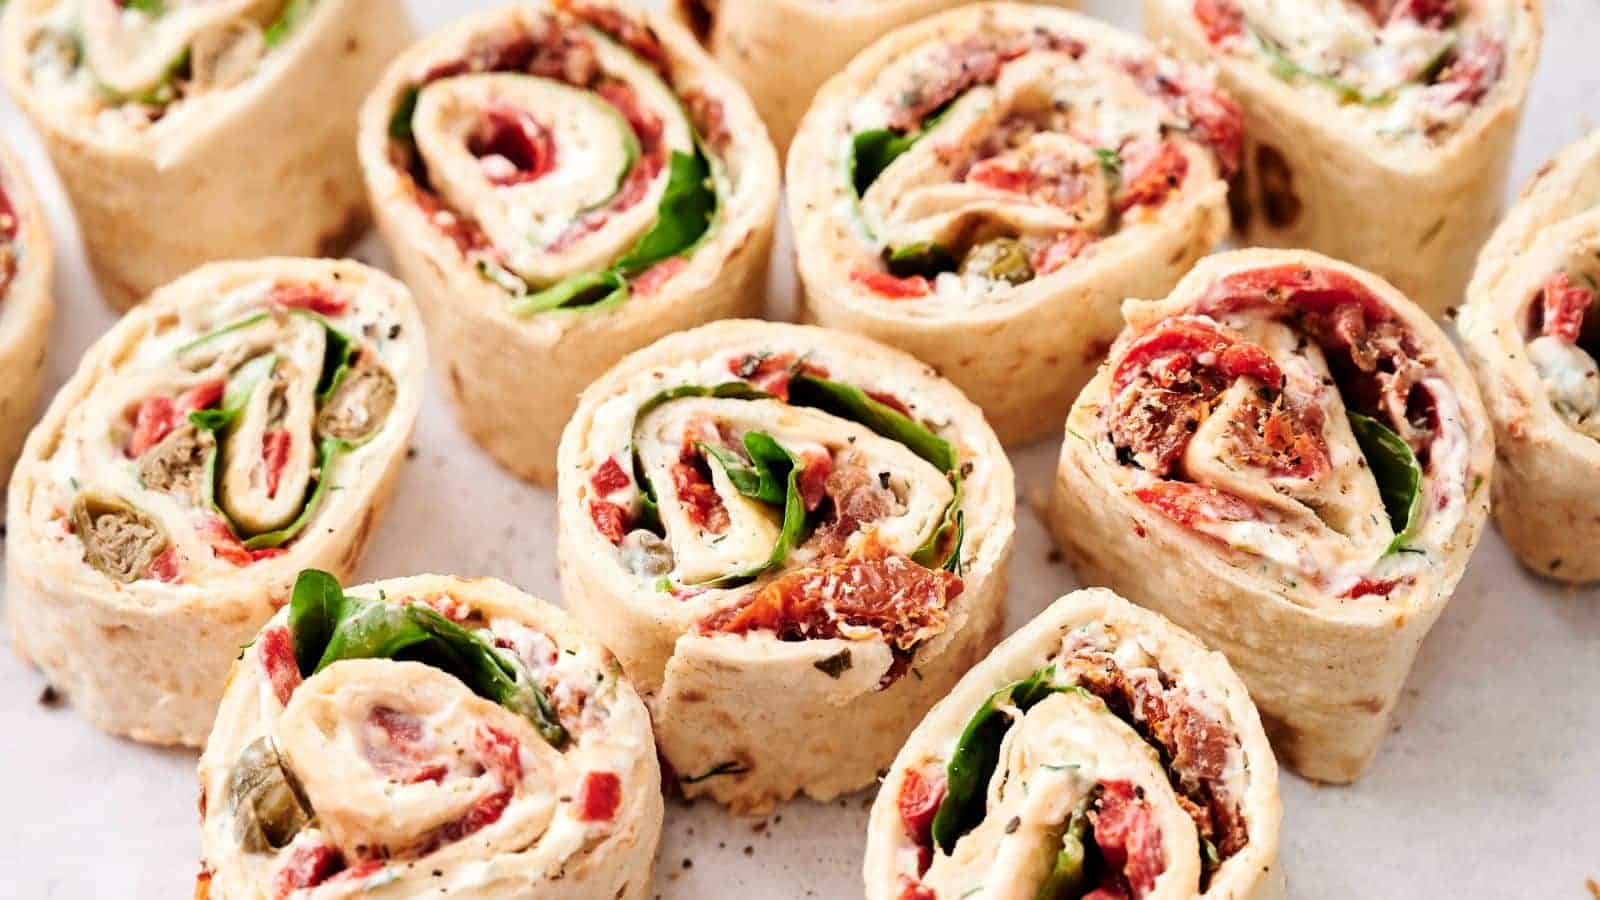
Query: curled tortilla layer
(245, 422)
(179, 127)
(562, 183)
(982, 189)
(427, 735)
(1379, 132)
(1530, 336)
(1099, 751)
(27, 264)
(794, 539)
(760, 43)
(1288, 458)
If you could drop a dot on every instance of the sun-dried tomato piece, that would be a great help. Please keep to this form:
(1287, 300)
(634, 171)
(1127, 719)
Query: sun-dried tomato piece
(202, 396)
(1220, 19)
(918, 802)
(512, 134)
(891, 287)
(1129, 839)
(1155, 175)
(1049, 178)
(1214, 118)
(1477, 66)
(958, 66)
(599, 797)
(1191, 505)
(874, 587)
(1066, 247)
(912, 889)
(609, 519)
(1371, 587)
(628, 31)
(277, 659)
(309, 297)
(153, 420)
(609, 478)
(698, 496)
(652, 279)
(500, 753)
(814, 472)
(308, 865)
(1564, 305)
(275, 455)
(165, 567)
(772, 372)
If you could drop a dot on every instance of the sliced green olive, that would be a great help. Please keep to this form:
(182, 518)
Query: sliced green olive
(1069, 874)
(269, 807)
(644, 553)
(118, 540)
(358, 407)
(177, 465)
(1000, 259)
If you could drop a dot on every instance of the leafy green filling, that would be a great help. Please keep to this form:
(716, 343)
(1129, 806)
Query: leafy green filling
(1287, 69)
(772, 474)
(327, 626)
(338, 353)
(977, 754)
(1397, 472)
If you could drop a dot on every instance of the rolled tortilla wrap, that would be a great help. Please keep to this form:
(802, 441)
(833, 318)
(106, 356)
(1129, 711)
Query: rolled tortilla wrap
(1098, 748)
(1378, 131)
(753, 511)
(27, 264)
(248, 420)
(562, 183)
(427, 735)
(984, 188)
(180, 127)
(1529, 333)
(756, 41)
(1288, 458)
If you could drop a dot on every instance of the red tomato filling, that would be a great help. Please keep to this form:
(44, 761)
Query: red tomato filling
(599, 797)
(277, 659)
(1563, 306)
(874, 587)
(512, 134)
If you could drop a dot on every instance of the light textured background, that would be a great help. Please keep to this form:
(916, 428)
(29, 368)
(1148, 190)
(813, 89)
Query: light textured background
(1489, 786)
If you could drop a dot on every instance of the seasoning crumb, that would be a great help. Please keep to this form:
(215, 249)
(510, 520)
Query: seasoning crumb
(1013, 825)
(1054, 557)
(688, 863)
(49, 698)
(411, 453)
(749, 850)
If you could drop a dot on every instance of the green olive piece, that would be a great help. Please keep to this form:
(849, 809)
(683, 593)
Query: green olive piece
(268, 809)
(1000, 259)
(119, 540)
(358, 406)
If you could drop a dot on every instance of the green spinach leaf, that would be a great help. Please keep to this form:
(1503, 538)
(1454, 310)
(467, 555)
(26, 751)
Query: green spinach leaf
(977, 754)
(1397, 472)
(850, 402)
(328, 626)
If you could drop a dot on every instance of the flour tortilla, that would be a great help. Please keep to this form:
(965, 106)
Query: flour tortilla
(1107, 748)
(141, 657)
(1325, 671)
(539, 846)
(26, 309)
(1414, 214)
(1023, 354)
(712, 695)
(244, 172)
(1546, 508)
(515, 379)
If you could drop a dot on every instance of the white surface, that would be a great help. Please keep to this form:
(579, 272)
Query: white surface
(1488, 787)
